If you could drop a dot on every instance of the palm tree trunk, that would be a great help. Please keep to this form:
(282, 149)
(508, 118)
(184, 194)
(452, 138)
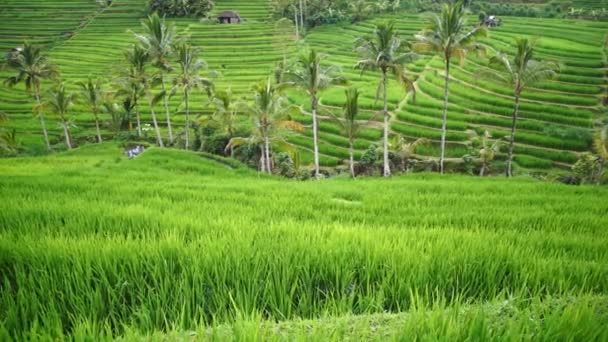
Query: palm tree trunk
(444, 124)
(138, 121)
(351, 159)
(45, 133)
(66, 132)
(187, 118)
(600, 172)
(166, 105)
(387, 167)
(301, 16)
(262, 159)
(315, 134)
(97, 125)
(482, 171)
(159, 139)
(512, 137)
(267, 148)
(297, 24)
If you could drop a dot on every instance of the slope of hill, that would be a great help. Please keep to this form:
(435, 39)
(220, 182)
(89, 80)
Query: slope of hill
(557, 115)
(556, 120)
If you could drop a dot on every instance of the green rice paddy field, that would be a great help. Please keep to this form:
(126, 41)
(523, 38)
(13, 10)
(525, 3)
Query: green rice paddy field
(174, 245)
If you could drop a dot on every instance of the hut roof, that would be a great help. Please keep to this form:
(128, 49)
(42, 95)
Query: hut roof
(228, 14)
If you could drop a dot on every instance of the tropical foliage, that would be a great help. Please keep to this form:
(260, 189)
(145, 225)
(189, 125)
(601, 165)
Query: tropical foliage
(520, 72)
(181, 8)
(384, 52)
(270, 115)
(31, 67)
(310, 75)
(448, 36)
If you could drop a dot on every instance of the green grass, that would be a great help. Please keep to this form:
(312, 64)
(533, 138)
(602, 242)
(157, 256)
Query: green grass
(92, 243)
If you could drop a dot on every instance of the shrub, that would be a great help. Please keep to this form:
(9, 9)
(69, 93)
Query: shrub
(285, 165)
(586, 168)
(188, 8)
(370, 156)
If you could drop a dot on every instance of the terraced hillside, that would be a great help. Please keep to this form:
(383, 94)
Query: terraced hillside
(557, 116)
(41, 21)
(239, 54)
(589, 4)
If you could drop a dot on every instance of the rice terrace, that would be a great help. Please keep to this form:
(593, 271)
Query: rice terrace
(304, 170)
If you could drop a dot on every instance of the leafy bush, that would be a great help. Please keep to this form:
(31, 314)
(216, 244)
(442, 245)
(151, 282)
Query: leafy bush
(183, 8)
(370, 156)
(586, 168)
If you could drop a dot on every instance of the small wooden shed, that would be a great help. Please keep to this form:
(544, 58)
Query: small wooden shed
(229, 17)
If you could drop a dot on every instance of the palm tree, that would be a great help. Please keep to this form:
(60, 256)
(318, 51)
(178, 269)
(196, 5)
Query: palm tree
(8, 139)
(270, 115)
(93, 94)
(600, 143)
(406, 149)
(59, 101)
(32, 67)
(488, 148)
(159, 39)
(152, 101)
(311, 76)
(385, 53)
(520, 72)
(189, 79)
(360, 9)
(349, 123)
(448, 36)
(9, 143)
(225, 111)
(130, 82)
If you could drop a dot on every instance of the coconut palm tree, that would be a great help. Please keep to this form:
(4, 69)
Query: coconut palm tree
(600, 144)
(32, 67)
(360, 9)
(448, 35)
(189, 79)
(9, 143)
(385, 53)
(518, 72)
(225, 111)
(8, 139)
(488, 148)
(93, 94)
(270, 115)
(153, 100)
(159, 39)
(130, 81)
(310, 75)
(350, 124)
(59, 101)
(405, 149)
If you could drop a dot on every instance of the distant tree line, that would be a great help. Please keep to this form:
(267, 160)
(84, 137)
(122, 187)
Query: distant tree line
(180, 8)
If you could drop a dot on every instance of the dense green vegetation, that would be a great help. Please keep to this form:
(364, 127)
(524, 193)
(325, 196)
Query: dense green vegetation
(94, 243)
(556, 116)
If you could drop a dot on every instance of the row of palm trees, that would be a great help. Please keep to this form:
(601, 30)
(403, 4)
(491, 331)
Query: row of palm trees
(446, 35)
